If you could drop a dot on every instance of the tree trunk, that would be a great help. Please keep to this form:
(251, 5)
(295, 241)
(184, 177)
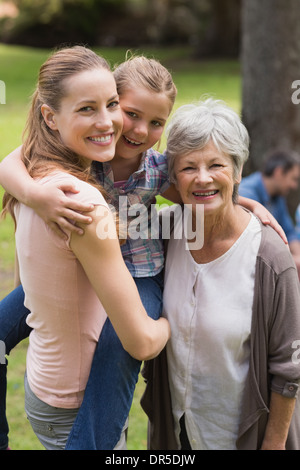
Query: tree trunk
(222, 34)
(270, 68)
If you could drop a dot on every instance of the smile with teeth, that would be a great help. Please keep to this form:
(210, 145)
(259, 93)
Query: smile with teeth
(205, 193)
(133, 142)
(103, 139)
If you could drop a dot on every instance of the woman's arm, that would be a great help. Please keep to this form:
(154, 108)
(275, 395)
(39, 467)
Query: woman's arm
(280, 301)
(14, 177)
(99, 253)
(263, 214)
(17, 280)
(281, 412)
(50, 202)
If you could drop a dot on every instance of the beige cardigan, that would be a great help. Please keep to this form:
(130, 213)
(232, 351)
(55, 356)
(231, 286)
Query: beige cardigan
(275, 326)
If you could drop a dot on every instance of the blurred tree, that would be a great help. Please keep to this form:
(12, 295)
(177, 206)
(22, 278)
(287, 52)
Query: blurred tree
(38, 10)
(48, 23)
(221, 35)
(211, 26)
(270, 65)
(174, 21)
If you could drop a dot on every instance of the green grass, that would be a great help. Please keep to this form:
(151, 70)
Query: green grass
(21, 435)
(19, 69)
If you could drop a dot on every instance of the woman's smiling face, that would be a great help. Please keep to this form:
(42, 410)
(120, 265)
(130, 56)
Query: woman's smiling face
(205, 176)
(89, 119)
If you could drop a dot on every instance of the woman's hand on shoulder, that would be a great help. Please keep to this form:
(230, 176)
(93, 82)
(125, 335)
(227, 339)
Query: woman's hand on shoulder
(263, 215)
(268, 219)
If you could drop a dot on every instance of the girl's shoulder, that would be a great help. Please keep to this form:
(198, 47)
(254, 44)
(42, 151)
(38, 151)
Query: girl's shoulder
(155, 159)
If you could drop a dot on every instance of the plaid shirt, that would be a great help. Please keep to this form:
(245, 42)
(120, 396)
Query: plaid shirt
(144, 256)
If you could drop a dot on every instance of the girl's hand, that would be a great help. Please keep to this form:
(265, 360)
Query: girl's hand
(60, 212)
(263, 214)
(268, 219)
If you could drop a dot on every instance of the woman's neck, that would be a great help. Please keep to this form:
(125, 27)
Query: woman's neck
(220, 232)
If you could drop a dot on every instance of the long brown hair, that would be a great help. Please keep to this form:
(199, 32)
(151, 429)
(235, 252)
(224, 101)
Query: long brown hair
(43, 149)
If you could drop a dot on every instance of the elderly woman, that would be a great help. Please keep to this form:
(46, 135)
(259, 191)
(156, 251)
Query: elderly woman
(233, 304)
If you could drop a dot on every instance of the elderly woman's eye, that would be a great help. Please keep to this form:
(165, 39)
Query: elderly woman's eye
(217, 165)
(187, 168)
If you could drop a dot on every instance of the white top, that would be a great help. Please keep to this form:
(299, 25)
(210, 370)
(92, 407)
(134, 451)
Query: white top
(209, 307)
(65, 312)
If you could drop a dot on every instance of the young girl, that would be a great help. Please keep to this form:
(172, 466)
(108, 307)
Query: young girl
(137, 173)
(74, 119)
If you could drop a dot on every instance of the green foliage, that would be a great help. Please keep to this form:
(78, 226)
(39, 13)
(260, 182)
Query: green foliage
(66, 19)
(44, 11)
(38, 10)
(117, 22)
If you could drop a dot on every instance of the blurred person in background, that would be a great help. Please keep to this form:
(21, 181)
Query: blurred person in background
(271, 186)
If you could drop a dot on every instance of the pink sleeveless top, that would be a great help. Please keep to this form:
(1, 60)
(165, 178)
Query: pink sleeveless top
(66, 314)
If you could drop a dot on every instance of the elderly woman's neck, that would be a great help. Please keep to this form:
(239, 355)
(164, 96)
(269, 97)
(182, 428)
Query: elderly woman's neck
(220, 232)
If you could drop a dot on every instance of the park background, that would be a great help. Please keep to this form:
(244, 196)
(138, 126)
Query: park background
(245, 52)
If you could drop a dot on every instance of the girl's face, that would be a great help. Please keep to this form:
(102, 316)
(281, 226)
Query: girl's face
(89, 120)
(144, 116)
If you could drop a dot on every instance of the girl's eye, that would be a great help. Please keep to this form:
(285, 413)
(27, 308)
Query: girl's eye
(156, 123)
(131, 114)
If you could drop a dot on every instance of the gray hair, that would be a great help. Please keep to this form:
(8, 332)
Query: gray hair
(193, 126)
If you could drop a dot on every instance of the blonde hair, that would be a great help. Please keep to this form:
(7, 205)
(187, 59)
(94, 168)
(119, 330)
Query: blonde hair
(145, 72)
(43, 149)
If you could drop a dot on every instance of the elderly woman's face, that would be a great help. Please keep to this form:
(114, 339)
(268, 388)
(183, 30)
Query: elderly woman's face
(205, 177)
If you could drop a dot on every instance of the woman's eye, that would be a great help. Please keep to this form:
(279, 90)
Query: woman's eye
(113, 104)
(156, 123)
(187, 168)
(85, 109)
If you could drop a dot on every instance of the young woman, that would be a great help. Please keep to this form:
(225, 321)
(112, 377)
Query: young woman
(71, 284)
